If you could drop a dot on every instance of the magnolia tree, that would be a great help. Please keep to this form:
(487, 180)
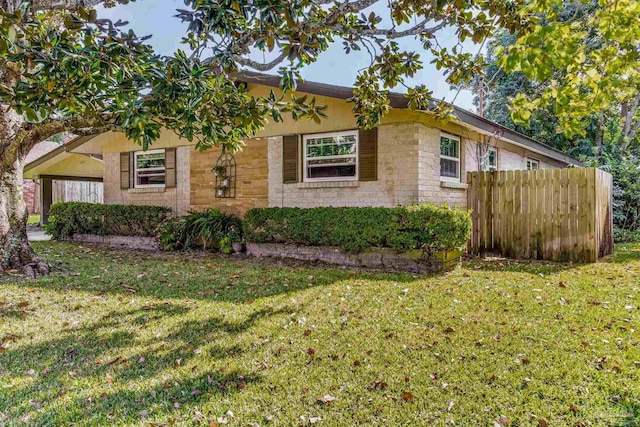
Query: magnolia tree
(62, 68)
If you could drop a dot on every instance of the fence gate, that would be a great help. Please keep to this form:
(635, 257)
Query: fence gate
(550, 214)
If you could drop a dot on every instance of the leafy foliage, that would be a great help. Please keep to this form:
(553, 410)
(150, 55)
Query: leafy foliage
(626, 185)
(66, 219)
(499, 87)
(205, 230)
(353, 229)
(588, 60)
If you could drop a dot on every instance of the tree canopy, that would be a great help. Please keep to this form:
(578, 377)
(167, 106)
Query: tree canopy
(588, 61)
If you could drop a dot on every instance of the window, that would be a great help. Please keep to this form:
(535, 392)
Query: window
(449, 158)
(532, 164)
(331, 156)
(489, 161)
(150, 168)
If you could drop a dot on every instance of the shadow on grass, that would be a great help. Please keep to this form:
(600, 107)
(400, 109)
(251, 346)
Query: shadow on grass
(627, 253)
(237, 279)
(80, 356)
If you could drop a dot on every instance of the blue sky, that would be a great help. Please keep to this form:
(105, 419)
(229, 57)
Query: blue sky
(155, 17)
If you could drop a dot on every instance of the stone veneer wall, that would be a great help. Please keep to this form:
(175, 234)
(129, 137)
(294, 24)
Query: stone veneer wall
(174, 198)
(251, 179)
(378, 258)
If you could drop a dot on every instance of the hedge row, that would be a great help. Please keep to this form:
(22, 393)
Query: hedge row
(66, 219)
(402, 228)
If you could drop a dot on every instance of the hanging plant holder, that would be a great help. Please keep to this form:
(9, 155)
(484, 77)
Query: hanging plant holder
(225, 172)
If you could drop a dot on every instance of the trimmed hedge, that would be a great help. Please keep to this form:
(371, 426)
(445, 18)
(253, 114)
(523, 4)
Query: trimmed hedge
(66, 219)
(402, 228)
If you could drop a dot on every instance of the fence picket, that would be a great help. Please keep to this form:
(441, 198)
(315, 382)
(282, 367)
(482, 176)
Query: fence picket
(560, 215)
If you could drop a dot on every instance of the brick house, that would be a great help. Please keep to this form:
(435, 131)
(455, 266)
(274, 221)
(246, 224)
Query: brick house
(411, 157)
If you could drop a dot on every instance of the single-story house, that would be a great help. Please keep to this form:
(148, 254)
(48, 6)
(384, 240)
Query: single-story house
(411, 157)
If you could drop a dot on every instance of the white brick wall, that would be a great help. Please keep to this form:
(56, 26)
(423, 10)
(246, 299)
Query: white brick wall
(396, 184)
(174, 198)
(408, 172)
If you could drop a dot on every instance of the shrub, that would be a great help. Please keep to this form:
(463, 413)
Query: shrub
(205, 230)
(66, 219)
(169, 234)
(426, 227)
(621, 235)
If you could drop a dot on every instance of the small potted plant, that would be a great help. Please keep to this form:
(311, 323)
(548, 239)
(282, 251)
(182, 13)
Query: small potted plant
(220, 191)
(226, 181)
(236, 239)
(218, 170)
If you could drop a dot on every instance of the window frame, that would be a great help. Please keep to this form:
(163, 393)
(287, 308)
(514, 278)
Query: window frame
(458, 159)
(135, 169)
(528, 160)
(486, 167)
(305, 158)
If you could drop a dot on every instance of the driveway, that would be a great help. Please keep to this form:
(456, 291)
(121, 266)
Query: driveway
(37, 236)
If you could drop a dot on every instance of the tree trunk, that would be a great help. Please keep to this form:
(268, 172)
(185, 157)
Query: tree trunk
(15, 252)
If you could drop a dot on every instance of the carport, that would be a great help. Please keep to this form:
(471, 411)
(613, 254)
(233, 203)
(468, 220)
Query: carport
(63, 164)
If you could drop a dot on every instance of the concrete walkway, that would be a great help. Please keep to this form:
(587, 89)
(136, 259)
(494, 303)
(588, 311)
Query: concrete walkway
(37, 236)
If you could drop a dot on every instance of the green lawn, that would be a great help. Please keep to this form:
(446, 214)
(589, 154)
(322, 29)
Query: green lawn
(33, 219)
(117, 338)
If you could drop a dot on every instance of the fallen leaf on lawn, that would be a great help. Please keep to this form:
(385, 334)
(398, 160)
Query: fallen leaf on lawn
(196, 393)
(311, 351)
(525, 361)
(109, 379)
(502, 421)
(543, 423)
(31, 372)
(327, 398)
(114, 361)
(573, 408)
(562, 285)
(314, 420)
(23, 304)
(450, 407)
(449, 330)
(407, 396)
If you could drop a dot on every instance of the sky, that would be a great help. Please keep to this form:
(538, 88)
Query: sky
(156, 18)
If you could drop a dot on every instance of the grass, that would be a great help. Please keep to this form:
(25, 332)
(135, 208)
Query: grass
(33, 219)
(121, 338)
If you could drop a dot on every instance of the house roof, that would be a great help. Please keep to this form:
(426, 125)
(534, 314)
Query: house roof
(399, 100)
(53, 159)
(41, 149)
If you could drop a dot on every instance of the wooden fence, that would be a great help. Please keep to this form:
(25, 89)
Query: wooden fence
(77, 191)
(550, 214)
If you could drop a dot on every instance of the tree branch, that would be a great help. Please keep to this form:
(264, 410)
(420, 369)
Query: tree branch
(260, 66)
(38, 5)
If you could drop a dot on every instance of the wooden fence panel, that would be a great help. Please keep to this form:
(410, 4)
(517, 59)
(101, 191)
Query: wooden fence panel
(77, 191)
(552, 214)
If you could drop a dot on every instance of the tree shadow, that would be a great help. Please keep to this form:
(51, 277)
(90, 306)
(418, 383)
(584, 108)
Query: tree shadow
(624, 254)
(81, 353)
(215, 277)
(535, 267)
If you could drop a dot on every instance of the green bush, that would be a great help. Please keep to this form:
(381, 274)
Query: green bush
(621, 235)
(169, 233)
(426, 227)
(204, 230)
(66, 219)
